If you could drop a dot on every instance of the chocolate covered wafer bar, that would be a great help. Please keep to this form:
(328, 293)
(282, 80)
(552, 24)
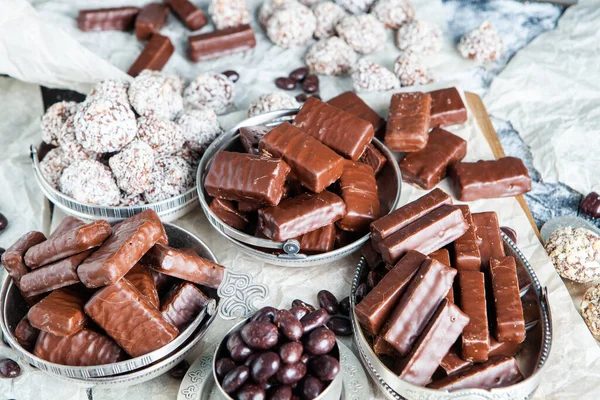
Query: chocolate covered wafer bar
(358, 189)
(320, 240)
(466, 250)
(193, 17)
(507, 349)
(67, 224)
(407, 127)
(353, 104)
(373, 158)
(140, 277)
(452, 362)
(227, 212)
(220, 43)
(107, 19)
(12, 259)
(60, 313)
(476, 336)
(489, 239)
(151, 18)
(372, 257)
(26, 334)
(510, 323)
(155, 55)
(447, 108)
(250, 136)
(183, 304)
(443, 256)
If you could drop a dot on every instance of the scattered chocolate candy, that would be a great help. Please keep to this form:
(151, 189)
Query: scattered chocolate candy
(591, 205)
(3, 222)
(324, 367)
(344, 306)
(301, 98)
(311, 84)
(223, 366)
(299, 74)
(260, 335)
(320, 341)
(299, 311)
(235, 378)
(316, 96)
(285, 83)
(178, 372)
(300, 303)
(328, 301)
(340, 326)
(510, 232)
(313, 320)
(232, 75)
(9, 369)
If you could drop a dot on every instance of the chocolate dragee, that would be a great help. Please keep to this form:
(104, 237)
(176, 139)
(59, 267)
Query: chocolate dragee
(140, 277)
(447, 108)
(183, 304)
(510, 323)
(227, 212)
(407, 127)
(443, 256)
(476, 336)
(26, 334)
(373, 158)
(358, 189)
(60, 313)
(353, 104)
(220, 43)
(250, 136)
(151, 18)
(188, 13)
(107, 19)
(155, 55)
(489, 239)
(466, 250)
(12, 259)
(320, 240)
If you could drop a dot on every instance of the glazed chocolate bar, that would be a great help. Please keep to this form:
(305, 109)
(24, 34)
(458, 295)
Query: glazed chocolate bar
(352, 104)
(313, 164)
(476, 336)
(466, 249)
(161, 281)
(372, 257)
(220, 43)
(26, 334)
(183, 304)
(341, 131)
(359, 191)
(227, 212)
(185, 264)
(151, 18)
(84, 348)
(381, 347)
(155, 55)
(238, 176)
(407, 127)
(12, 259)
(320, 240)
(510, 323)
(374, 309)
(489, 239)
(443, 256)
(444, 328)
(299, 215)
(129, 318)
(507, 349)
(504, 177)
(140, 277)
(67, 224)
(452, 362)
(427, 167)
(69, 243)
(447, 108)
(188, 13)
(107, 19)
(130, 240)
(373, 158)
(60, 313)
(250, 136)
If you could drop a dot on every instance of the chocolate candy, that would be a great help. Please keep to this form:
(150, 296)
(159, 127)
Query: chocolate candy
(151, 18)
(352, 104)
(345, 306)
(237, 176)
(130, 319)
(320, 341)
(303, 304)
(507, 349)
(235, 379)
(341, 131)
(188, 13)
(504, 177)
(220, 43)
(9, 369)
(250, 136)
(452, 362)
(359, 191)
(3, 222)
(320, 240)
(373, 158)
(427, 167)
(289, 374)
(443, 256)
(299, 215)
(591, 205)
(475, 338)
(265, 314)
(311, 387)
(179, 371)
(324, 367)
(313, 164)
(259, 335)
(489, 239)
(223, 366)
(142, 279)
(291, 352)
(301, 98)
(407, 127)
(372, 257)
(340, 326)
(447, 108)
(510, 324)
(107, 19)
(155, 55)
(466, 248)
(299, 311)
(285, 83)
(299, 74)
(311, 84)
(67, 224)
(130, 240)
(265, 366)
(26, 334)
(12, 258)
(313, 320)
(60, 313)
(288, 325)
(328, 302)
(227, 212)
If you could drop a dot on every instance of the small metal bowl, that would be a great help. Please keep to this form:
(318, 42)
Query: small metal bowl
(168, 210)
(531, 359)
(389, 178)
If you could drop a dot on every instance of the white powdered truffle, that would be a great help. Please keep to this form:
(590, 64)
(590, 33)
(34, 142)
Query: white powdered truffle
(575, 253)
(163, 136)
(132, 167)
(170, 177)
(482, 44)
(331, 56)
(272, 102)
(364, 33)
(156, 93)
(54, 118)
(369, 76)
(90, 182)
(590, 309)
(355, 6)
(229, 13)
(393, 13)
(112, 89)
(210, 90)
(421, 37)
(72, 149)
(53, 165)
(291, 26)
(200, 127)
(410, 70)
(328, 15)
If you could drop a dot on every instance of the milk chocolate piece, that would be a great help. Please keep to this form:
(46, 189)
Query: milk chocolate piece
(407, 127)
(299, 215)
(221, 43)
(381, 347)
(26, 334)
(12, 259)
(373, 158)
(67, 224)
(188, 13)
(359, 191)
(60, 313)
(510, 323)
(250, 136)
(183, 304)
(140, 277)
(151, 18)
(507, 349)
(452, 362)
(590, 205)
(372, 257)
(427, 167)
(313, 164)
(476, 336)
(352, 104)
(489, 239)
(374, 309)
(444, 328)
(238, 176)
(341, 131)
(130, 240)
(443, 256)
(504, 177)
(155, 55)
(84, 348)
(130, 319)
(227, 212)
(447, 108)
(418, 304)
(107, 19)
(426, 235)
(494, 373)
(320, 240)
(69, 243)
(185, 264)
(466, 249)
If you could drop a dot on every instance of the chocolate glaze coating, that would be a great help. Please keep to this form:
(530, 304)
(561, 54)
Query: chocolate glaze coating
(489, 240)
(140, 277)
(510, 323)
(352, 104)
(320, 240)
(447, 108)
(476, 336)
(220, 43)
(183, 304)
(494, 373)
(67, 224)
(466, 250)
(26, 334)
(373, 158)
(407, 127)
(188, 13)
(151, 18)
(107, 19)
(60, 313)
(12, 258)
(155, 55)
(359, 191)
(227, 212)
(250, 136)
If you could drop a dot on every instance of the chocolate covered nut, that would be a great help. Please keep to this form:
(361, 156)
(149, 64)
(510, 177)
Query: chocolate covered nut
(232, 75)
(9, 369)
(107, 19)
(250, 391)
(345, 306)
(151, 18)
(183, 304)
(60, 313)
(340, 326)
(266, 314)
(590, 205)
(260, 335)
(373, 158)
(310, 84)
(353, 104)
(324, 367)
(283, 392)
(291, 352)
(241, 353)
(155, 55)
(288, 325)
(227, 212)
(359, 191)
(311, 387)
(290, 374)
(12, 258)
(300, 303)
(447, 108)
(265, 366)
(3, 222)
(299, 74)
(466, 248)
(407, 127)
(475, 337)
(179, 371)
(489, 239)
(299, 312)
(220, 43)
(285, 83)
(328, 301)
(510, 323)
(26, 334)
(223, 366)
(188, 13)
(320, 341)
(235, 379)
(313, 320)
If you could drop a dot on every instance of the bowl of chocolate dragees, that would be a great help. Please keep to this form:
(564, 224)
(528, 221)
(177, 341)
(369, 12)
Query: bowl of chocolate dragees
(300, 187)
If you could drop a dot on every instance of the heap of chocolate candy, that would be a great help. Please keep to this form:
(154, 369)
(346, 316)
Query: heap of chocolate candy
(94, 290)
(443, 296)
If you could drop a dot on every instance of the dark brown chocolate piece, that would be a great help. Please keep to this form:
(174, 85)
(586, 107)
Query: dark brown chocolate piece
(221, 43)
(60, 313)
(373, 158)
(443, 256)
(318, 241)
(489, 239)
(151, 18)
(372, 257)
(510, 323)
(591, 205)
(227, 212)
(183, 304)
(155, 55)
(381, 347)
(188, 13)
(504, 177)
(341, 131)
(140, 277)
(466, 249)
(67, 224)
(358, 189)
(12, 259)
(452, 363)
(507, 349)
(162, 281)
(407, 127)
(250, 136)
(352, 104)
(447, 108)
(476, 336)
(107, 19)
(26, 334)
(427, 167)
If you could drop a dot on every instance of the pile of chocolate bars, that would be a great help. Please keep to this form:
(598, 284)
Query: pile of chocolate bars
(446, 299)
(94, 291)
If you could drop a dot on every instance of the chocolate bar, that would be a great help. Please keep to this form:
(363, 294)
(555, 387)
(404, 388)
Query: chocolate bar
(69, 243)
(129, 318)
(407, 127)
(352, 104)
(504, 177)
(26, 334)
(161, 281)
(130, 240)
(466, 250)
(507, 349)
(299, 215)
(427, 234)
(155, 55)
(444, 328)
(510, 323)
(151, 18)
(443, 256)
(183, 304)
(447, 108)
(67, 224)
(373, 311)
(427, 167)
(418, 304)
(107, 19)
(185, 264)
(250, 136)
(238, 176)
(188, 13)
(476, 336)
(344, 238)
(227, 212)
(85, 348)
(220, 43)
(60, 313)
(341, 131)
(359, 191)
(320, 240)
(381, 347)
(452, 362)
(140, 277)
(313, 164)
(373, 158)
(372, 257)
(489, 239)
(12, 259)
